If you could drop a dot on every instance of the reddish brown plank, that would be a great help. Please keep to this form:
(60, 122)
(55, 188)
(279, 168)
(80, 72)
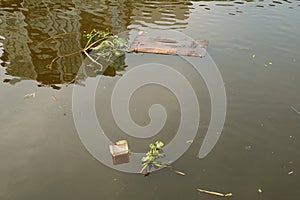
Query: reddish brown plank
(159, 45)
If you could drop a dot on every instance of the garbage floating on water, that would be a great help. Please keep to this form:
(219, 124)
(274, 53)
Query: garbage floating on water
(190, 141)
(120, 148)
(291, 172)
(29, 96)
(295, 110)
(119, 152)
(215, 193)
(53, 98)
(159, 45)
(180, 173)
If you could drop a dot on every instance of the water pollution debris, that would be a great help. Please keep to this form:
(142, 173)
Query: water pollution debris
(295, 110)
(53, 98)
(291, 172)
(170, 46)
(215, 193)
(179, 173)
(119, 152)
(190, 141)
(29, 96)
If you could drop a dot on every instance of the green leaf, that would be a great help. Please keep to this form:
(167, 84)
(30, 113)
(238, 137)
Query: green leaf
(121, 42)
(102, 45)
(159, 144)
(145, 159)
(152, 146)
(116, 52)
(151, 158)
(157, 164)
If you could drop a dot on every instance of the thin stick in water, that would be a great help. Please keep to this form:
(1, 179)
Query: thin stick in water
(215, 193)
(295, 110)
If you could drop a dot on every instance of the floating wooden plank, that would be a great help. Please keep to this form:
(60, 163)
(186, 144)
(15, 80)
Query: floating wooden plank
(159, 45)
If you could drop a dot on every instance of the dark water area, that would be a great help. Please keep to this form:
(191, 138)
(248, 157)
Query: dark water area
(255, 45)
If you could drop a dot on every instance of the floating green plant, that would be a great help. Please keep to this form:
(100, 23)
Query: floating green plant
(103, 48)
(152, 159)
(104, 45)
(152, 156)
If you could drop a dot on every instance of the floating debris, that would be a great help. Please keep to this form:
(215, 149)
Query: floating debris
(260, 190)
(53, 98)
(140, 32)
(180, 173)
(159, 45)
(119, 152)
(291, 172)
(253, 56)
(215, 193)
(248, 147)
(295, 110)
(29, 96)
(151, 157)
(190, 141)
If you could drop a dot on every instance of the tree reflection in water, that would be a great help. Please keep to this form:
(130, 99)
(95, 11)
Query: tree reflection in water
(26, 24)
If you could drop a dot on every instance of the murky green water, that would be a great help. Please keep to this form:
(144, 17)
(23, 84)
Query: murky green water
(255, 45)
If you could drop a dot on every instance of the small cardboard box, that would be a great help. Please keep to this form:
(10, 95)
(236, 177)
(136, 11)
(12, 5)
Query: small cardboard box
(119, 152)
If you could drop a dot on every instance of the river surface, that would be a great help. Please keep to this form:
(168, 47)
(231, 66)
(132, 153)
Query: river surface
(254, 44)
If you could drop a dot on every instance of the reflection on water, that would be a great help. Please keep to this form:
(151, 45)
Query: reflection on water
(27, 26)
(236, 5)
(1, 50)
(42, 157)
(160, 14)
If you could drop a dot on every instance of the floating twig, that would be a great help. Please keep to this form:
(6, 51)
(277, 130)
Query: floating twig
(215, 193)
(72, 81)
(93, 60)
(62, 56)
(180, 173)
(295, 110)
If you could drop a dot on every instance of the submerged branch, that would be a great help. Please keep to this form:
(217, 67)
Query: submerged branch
(62, 56)
(53, 37)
